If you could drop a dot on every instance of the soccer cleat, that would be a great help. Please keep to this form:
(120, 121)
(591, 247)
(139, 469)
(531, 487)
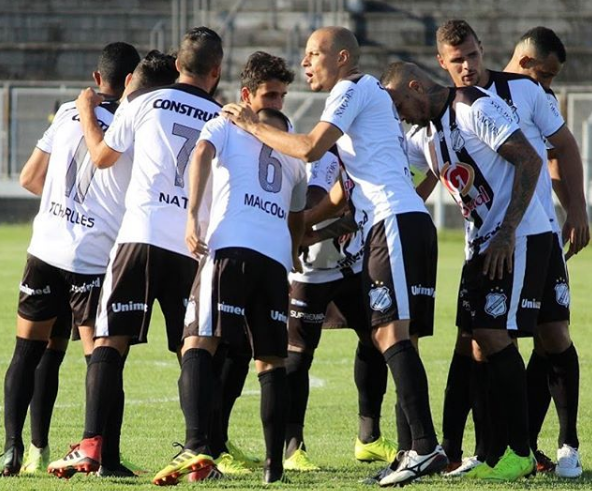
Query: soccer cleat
(227, 464)
(185, 462)
(467, 465)
(12, 460)
(204, 474)
(512, 467)
(300, 461)
(414, 466)
(380, 450)
(84, 457)
(250, 461)
(385, 471)
(569, 463)
(452, 466)
(478, 472)
(544, 463)
(36, 460)
(119, 470)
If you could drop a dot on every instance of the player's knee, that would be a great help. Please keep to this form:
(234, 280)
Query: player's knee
(554, 337)
(267, 363)
(58, 344)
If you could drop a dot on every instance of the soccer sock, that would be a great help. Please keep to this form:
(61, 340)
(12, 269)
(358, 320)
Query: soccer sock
(564, 384)
(539, 396)
(110, 452)
(196, 386)
(19, 383)
(274, 406)
(370, 375)
(87, 360)
(297, 367)
(509, 404)
(404, 438)
(481, 408)
(457, 403)
(44, 395)
(103, 379)
(412, 392)
(216, 434)
(233, 376)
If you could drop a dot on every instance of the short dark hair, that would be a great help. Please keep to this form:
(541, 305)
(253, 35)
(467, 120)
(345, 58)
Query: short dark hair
(455, 32)
(545, 42)
(154, 70)
(268, 112)
(116, 61)
(200, 51)
(262, 67)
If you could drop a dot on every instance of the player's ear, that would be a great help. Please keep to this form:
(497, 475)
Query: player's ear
(128, 79)
(526, 61)
(97, 78)
(177, 65)
(415, 85)
(343, 56)
(441, 62)
(245, 95)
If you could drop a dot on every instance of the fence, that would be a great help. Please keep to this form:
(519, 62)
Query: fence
(26, 110)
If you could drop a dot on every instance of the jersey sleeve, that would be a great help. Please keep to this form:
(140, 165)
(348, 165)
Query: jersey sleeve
(45, 143)
(343, 105)
(417, 158)
(214, 131)
(324, 172)
(546, 114)
(491, 120)
(298, 201)
(120, 135)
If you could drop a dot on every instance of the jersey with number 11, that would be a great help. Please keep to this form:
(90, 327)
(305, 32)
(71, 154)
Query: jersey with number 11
(162, 125)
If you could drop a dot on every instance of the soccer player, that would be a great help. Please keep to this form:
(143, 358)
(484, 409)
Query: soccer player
(540, 54)
(149, 261)
(72, 236)
(332, 276)
(470, 140)
(460, 53)
(264, 84)
(242, 286)
(399, 235)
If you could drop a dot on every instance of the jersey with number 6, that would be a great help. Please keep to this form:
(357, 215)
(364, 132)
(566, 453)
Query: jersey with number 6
(163, 126)
(81, 206)
(253, 189)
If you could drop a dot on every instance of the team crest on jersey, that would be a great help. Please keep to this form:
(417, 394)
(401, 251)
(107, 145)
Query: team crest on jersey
(458, 178)
(380, 298)
(496, 304)
(562, 294)
(458, 142)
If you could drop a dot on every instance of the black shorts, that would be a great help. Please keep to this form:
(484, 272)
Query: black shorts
(47, 292)
(555, 303)
(399, 274)
(310, 304)
(137, 275)
(239, 292)
(511, 303)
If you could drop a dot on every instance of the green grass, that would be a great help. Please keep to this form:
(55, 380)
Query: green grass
(153, 418)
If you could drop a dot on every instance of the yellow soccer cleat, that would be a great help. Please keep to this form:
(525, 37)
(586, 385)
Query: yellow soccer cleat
(380, 450)
(186, 462)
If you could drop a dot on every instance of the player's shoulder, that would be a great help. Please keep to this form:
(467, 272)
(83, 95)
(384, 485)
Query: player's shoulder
(496, 76)
(468, 96)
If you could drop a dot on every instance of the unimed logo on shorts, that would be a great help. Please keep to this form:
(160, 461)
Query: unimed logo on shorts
(129, 307)
(46, 290)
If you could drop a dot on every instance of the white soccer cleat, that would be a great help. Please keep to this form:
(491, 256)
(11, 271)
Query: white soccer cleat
(466, 465)
(414, 466)
(569, 463)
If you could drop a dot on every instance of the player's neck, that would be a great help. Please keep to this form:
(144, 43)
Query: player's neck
(438, 96)
(199, 82)
(484, 79)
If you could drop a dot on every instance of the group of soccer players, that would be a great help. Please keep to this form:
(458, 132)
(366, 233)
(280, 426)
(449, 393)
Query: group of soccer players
(167, 196)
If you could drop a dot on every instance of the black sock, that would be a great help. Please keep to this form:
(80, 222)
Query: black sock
(297, 368)
(19, 383)
(110, 452)
(564, 382)
(370, 375)
(457, 403)
(216, 433)
(539, 395)
(44, 396)
(196, 386)
(404, 438)
(274, 406)
(508, 404)
(481, 407)
(103, 382)
(233, 376)
(87, 360)
(412, 392)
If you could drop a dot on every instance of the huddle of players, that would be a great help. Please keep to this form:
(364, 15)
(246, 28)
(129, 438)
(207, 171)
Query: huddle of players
(397, 237)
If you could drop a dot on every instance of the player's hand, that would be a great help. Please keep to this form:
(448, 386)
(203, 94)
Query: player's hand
(309, 238)
(297, 264)
(576, 230)
(498, 257)
(241, 115)
(196, 246)
(88, 99)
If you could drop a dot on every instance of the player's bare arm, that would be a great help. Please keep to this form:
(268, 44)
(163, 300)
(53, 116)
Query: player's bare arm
(576, 229)
(427, 186)
(527, 163)
(33, 174)
(308, 147)
(100, 153)
(331, 206)
(199, 173)
(556, 180)
(343, 226)
(296, 226)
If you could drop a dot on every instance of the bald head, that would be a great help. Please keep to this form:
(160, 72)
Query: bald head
(399, 75)
(340, 38)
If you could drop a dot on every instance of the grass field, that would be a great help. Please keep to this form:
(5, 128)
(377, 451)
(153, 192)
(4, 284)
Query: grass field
(153, 418)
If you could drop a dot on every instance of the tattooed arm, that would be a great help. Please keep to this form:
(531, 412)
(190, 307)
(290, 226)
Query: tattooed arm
(527, 163)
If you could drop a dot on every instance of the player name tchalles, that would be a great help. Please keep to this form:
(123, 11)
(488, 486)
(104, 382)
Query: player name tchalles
(71, 215)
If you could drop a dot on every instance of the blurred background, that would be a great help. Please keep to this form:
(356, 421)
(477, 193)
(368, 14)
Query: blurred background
(49, 48)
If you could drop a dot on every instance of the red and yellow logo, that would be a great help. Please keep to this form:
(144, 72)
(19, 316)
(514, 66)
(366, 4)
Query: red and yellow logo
(458, 178)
